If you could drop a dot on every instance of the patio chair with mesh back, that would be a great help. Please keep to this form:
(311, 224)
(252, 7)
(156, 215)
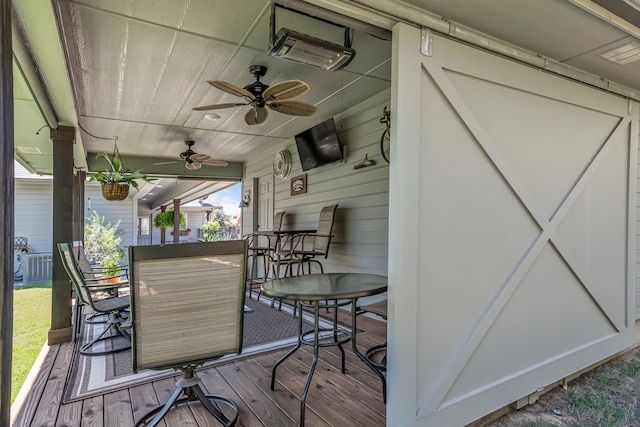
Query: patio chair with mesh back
(187, 308)
(261, 247)
(321, 241)
(98, 282)
(92, 272)
(117, 325)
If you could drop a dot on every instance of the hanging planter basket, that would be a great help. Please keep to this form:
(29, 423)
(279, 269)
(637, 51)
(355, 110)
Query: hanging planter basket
(114, 191)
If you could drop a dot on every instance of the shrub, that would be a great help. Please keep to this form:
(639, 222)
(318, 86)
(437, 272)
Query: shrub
(101, 243)
(165, 220)
(210, 230)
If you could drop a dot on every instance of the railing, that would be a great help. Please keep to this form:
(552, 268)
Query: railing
(36, 267)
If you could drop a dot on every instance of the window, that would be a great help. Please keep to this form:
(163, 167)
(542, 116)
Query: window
(144, 225)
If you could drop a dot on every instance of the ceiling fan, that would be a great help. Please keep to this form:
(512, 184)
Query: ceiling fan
(259, 95)
(193, 160)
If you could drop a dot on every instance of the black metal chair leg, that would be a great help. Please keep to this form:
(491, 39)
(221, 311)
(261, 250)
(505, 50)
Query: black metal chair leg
(112, 325)
(193, 391)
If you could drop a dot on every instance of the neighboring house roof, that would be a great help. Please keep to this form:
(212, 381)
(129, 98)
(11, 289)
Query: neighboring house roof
(211, 203)
(21, 173)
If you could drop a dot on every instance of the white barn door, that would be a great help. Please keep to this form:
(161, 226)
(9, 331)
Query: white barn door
(519, 187)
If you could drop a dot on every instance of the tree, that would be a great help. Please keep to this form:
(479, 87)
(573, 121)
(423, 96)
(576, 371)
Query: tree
(101, 243)
(221, 218)
(210, 230)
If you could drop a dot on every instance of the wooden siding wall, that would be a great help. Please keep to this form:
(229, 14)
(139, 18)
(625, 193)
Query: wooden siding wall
(33, 213)
(362, 219)
(195, 219)
(112, 212)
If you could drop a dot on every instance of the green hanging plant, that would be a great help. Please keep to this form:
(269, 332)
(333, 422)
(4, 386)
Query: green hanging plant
(165, 220)
(117, 173)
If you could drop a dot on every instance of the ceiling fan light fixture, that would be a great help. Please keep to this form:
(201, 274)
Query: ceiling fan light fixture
(305, 49)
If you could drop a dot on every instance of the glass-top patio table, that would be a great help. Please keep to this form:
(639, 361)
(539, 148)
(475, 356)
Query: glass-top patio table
(329, 290)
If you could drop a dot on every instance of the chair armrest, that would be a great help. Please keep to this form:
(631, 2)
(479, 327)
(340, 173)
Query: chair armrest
(111, 288)
(253, 241)
(100, 269)
(312, 235)
(125, 274)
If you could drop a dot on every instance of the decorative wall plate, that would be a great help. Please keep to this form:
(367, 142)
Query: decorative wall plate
(282, 164)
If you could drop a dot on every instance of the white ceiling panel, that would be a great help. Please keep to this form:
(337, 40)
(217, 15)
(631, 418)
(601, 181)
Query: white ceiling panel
(626, 74)
(225, 20)
(139, 67)
(553, 28)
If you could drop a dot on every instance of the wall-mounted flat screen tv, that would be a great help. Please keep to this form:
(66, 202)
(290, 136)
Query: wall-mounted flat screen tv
(319, 145)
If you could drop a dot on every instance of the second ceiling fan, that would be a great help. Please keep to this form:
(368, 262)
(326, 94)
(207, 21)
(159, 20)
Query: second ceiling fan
(193, 160)
(260, 96)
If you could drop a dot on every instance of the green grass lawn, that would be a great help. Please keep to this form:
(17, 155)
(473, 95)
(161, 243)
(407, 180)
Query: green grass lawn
(31, 320)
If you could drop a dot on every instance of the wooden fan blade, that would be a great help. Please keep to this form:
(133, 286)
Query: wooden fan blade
(207, 160)
(232, 89)
(193, 165)
(200, 157)
(255, 117)
(285, 90)
(165, 163)
(212, 162)
(218, 106)
(293, 108)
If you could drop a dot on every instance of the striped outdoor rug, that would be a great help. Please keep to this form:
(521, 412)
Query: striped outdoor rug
(265, 329)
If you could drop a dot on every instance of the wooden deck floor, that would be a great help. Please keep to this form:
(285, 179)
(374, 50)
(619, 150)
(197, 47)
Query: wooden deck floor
(353, 399)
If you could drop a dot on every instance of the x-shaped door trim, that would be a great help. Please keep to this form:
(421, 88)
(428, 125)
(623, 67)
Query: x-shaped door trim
(549, 233)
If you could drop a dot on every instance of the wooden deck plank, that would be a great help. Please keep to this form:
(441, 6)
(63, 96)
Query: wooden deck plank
(49, 405)
(119, 412)
(144, 400)
(355, 368)
(214, 383)
(93, 412)
(289, 403)
(70, 414)
(334, 400)
(261, 405)
(317, 399)
(342, 390)
(23, 415)
(179, 415)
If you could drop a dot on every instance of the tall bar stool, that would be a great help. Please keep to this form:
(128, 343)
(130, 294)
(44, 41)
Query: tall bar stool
(260, 247)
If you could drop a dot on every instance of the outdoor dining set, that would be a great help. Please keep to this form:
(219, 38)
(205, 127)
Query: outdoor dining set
(185, 305)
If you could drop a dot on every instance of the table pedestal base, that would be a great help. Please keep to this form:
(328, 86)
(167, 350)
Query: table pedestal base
(336, 337)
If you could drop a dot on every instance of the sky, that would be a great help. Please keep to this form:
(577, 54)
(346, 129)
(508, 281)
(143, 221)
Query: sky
(230, 199)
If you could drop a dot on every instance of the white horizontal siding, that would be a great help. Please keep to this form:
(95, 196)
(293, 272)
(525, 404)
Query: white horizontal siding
(362, 219)
(33, 212)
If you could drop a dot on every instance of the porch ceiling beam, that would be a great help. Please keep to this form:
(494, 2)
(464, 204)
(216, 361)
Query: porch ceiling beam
(187, 191)
(231, 172)
(25, 63)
